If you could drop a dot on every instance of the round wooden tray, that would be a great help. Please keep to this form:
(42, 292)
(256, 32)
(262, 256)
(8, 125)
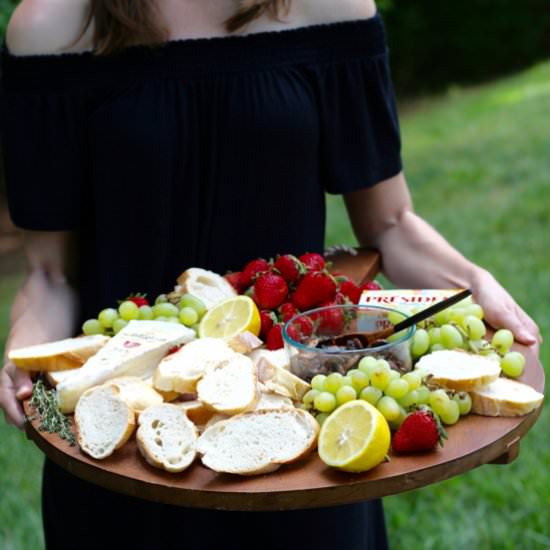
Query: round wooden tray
(473, 441)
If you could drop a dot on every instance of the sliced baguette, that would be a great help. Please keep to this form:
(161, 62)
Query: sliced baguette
(58, 376)
(208, 286)
(60, 355)
(104, 422)
(269, 400)
(281, 381)
(136, 392)
(505, 397)
(166, 437)
(258, 442)
(459, 370)
(231, 386)
(196, 411)
(180, 371)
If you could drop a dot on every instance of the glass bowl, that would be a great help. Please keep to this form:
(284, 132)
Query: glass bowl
(325, 340)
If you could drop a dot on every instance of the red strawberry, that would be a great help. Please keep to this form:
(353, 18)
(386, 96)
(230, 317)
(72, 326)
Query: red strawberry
(251, 271)
(270, 290)
(371, 285)
(420, 431)
(138, 299)
(233, 279)
(287, 311)
(268, 318)
(313, 261)
(290, 267)
(301, 328)
(351, 290)
(330, 322)
(314, 288)
(275, 337)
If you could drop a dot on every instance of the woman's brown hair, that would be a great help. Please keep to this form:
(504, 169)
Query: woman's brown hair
(118, 24)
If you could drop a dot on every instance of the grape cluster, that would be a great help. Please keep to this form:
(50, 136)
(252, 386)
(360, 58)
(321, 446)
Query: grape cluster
(393, 394)
(188, 312)
(462, 327)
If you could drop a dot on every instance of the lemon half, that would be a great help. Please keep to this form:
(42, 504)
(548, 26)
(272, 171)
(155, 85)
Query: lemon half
(355, 437)
(231, 317)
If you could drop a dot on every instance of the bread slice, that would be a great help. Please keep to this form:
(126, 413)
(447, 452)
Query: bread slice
(180, 371)
(104, 422)
(60, 355)
(269, 400)
(56, 377)
(277, 358)
(166, 437)
(505, 397)
(135, 351)
(136, 392)
(281, 381)
(231, 386)
(459, 370)
(196, 411)
(258, 442)
(208, 286)
(167, 396)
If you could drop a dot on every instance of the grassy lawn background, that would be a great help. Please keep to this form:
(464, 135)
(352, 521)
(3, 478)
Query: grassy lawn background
(477, 163)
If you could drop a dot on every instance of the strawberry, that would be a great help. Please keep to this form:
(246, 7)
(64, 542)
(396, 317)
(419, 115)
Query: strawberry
(313, 289)
(251, 271)
(275, 337)
(371, 285)
(330, 322)
(301, 328)
(351, 290)
(138, 299)
(270, 290)
(420, 431)
(267, 318)
(290, 267)
(287, 311)
(313, 261)
(233, 279)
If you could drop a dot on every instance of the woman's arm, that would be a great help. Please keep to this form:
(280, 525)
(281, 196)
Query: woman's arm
(44, 309)
(415, 255)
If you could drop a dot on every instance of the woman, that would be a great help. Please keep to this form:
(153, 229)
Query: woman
(128, 163)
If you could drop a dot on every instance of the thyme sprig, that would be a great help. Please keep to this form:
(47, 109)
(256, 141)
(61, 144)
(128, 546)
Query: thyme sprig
(52, 420)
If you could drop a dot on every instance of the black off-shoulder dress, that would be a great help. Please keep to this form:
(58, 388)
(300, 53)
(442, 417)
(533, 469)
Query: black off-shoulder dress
(204, 152)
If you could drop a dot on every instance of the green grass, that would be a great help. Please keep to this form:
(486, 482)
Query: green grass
(477, 162)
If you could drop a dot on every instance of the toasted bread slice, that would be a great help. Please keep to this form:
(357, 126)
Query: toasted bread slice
(208, 286)
(60, 355)
(459, 370)
(136, 392)
(270, 400)
(258, 442)
(231, 386)
(166, 437)
(58, 376)
(196, 411)
(104, 421)
(505, 397)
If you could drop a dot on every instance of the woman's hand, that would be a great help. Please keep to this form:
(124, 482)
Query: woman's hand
(15, 385)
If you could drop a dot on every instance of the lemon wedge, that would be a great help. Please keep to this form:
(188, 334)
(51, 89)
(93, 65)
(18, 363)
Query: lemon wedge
(231, 317)
(355, 437)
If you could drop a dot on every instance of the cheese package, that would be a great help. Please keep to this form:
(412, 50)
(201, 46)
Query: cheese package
(135, 351)
(408, 301)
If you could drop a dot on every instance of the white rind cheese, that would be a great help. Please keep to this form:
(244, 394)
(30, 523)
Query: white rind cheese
(135, 351)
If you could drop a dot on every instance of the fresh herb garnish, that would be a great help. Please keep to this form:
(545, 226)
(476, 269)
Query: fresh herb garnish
(52, 420)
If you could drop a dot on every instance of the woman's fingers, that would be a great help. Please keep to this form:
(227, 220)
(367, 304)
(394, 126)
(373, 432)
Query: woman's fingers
(13, 410)
(22, 383)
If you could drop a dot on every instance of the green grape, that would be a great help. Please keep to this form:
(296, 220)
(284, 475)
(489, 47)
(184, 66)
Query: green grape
(438, 401)
(423, 394)
(165, 309)
(437, 347)
(388, 407)
(420, 343)
(450, 337)
(464, 303)
(321, 417)
(397, 335)
(128, 310)
(409, 400)
(450, 413)
(310, 396)
(382, 363)
(394, 375)
(512, 364)
(442, 318)
(325, 402)
(345, 394)
(367, 364)
(145, 313)
(395, 317)
(474, 327)
(347, 381)
(396, 424)
(318, 382)
(92, 326)
(161, 299)
(435, 335)
(172, 319)
(118, 325)
(188, 300)
(107, 317)
(195, 327)
(413, 379)
(188, 316)
(333, 382)
(380, 378)
(370, 394)
(476, 311)
(502, 340)
(359, 379)
(397, 388)
(464, 402)
(162, 319)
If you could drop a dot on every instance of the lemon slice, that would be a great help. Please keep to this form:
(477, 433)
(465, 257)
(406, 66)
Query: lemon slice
(355, 437)
(231, 317)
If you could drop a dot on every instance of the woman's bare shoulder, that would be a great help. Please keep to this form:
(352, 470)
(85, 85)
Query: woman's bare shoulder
(48, 27)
